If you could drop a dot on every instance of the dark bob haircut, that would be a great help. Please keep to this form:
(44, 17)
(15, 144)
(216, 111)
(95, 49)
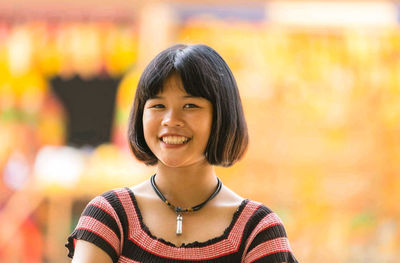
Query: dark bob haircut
(204, 73)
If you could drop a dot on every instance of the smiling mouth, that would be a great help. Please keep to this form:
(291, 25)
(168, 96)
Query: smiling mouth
(175, 139)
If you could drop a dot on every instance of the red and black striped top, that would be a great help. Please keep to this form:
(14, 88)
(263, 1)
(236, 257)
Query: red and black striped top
(113, 222)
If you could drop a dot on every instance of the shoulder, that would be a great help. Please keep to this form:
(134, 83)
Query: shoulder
(266, 236)
(260, 210)
(109, 198)
(112, 202)
(102, 224)
(262, 217)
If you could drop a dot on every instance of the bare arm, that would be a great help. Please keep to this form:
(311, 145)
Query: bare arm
(86, 252)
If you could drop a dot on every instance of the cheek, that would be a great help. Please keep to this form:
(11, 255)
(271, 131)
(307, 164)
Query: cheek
(149, 127)
(204, 127)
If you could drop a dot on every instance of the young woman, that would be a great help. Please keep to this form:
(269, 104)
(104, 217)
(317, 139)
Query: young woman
(186, 117)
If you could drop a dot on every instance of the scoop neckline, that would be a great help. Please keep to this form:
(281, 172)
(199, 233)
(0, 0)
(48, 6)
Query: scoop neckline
(214, 240)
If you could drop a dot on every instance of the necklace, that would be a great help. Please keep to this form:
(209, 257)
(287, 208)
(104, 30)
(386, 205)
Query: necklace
(178, 210)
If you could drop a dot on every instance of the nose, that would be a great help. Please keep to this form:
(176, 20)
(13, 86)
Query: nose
(172, 118)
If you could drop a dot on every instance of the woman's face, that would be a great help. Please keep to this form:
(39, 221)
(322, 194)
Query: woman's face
(176, 125)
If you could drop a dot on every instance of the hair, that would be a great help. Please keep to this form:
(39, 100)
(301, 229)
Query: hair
(204, 73)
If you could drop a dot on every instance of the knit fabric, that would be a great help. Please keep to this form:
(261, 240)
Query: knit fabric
(112, 221)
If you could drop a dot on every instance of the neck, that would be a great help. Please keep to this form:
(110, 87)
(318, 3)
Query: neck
(186, 186)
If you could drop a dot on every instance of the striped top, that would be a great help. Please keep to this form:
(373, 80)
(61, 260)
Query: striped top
(113, 222)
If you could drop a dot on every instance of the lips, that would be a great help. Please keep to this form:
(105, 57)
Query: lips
(174, 139)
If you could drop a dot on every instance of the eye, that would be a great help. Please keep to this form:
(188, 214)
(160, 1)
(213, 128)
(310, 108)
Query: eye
(158, 106)
(190, 105)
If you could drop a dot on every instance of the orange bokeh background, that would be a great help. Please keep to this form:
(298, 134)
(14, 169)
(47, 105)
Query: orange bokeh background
(322, 106)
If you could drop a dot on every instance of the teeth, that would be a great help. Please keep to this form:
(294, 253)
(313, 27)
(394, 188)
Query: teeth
(175, 139)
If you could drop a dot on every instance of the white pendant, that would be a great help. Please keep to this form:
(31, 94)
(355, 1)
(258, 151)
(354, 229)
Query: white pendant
(179, 224)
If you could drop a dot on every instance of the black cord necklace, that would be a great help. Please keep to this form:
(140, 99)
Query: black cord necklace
(178, 210)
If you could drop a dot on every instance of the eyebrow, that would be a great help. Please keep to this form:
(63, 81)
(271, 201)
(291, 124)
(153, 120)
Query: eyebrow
(186, 97)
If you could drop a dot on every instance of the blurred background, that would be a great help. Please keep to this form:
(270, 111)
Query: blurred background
(320, 84)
